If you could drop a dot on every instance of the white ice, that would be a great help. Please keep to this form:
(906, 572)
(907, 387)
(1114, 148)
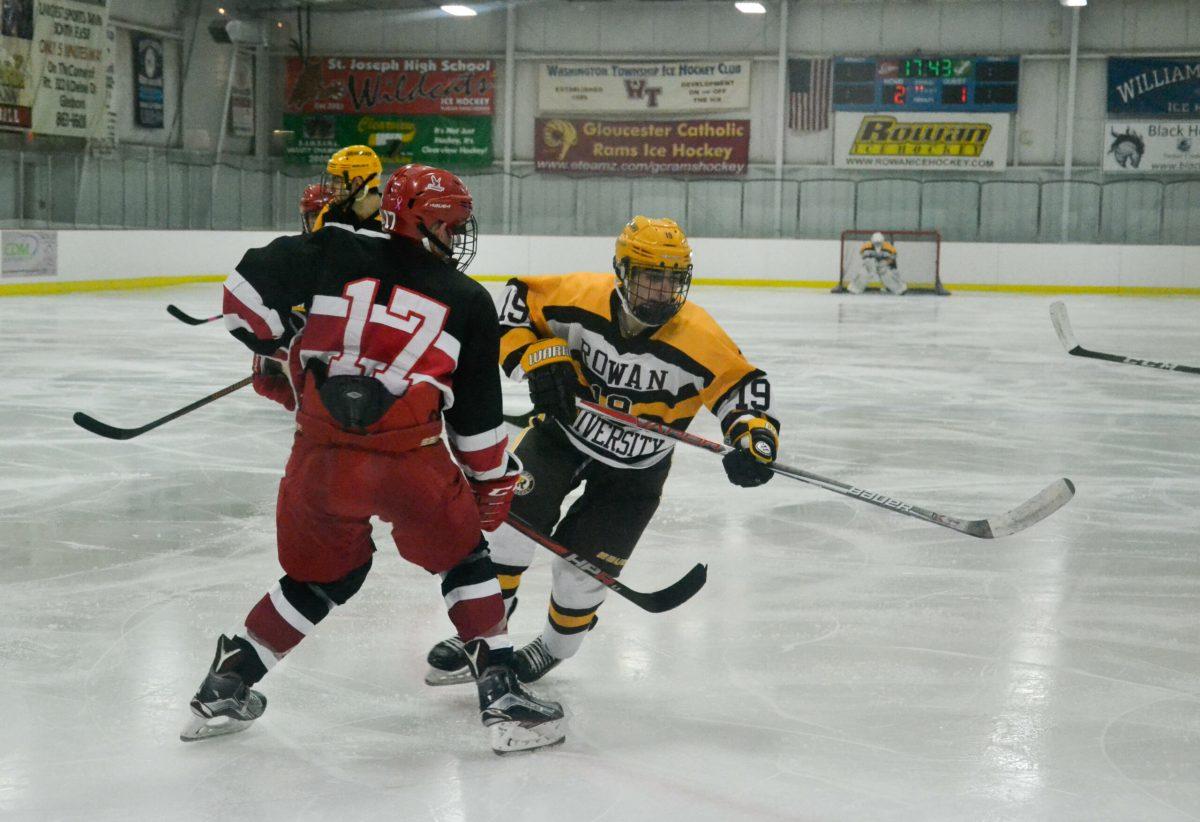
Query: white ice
(843, 662)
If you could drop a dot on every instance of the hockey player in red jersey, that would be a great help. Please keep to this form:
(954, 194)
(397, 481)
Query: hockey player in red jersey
(314, 198)
(398, 345)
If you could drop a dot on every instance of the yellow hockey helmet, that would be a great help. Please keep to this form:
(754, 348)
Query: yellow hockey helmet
(353, 170)
(653, 262)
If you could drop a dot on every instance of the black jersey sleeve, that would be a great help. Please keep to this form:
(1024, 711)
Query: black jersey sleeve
(476, 423)
(259, 295)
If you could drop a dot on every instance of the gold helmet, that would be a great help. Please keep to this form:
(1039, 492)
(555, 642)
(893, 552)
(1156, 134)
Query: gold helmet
(653, 263)
(353, 170)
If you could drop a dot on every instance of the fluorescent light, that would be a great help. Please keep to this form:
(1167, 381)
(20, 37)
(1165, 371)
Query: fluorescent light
(750, 8)
(1070, 3)
(459, 11)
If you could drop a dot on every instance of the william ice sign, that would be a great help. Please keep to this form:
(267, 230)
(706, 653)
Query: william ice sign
(1156, 86)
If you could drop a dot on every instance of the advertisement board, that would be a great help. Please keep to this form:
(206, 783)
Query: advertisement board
(915, 140)
(1152, 146)
(625, 147)
(1154, 86)
(677, 87)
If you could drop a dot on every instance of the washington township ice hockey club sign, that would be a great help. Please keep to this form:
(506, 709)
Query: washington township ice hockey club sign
(1156, 86)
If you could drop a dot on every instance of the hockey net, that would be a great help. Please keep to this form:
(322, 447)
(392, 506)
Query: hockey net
(918, 259)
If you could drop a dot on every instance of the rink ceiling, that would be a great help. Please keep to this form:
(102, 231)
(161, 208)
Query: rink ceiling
(841, 663)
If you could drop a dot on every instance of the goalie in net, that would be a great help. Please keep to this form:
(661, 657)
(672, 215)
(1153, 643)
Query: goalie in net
(891, 262)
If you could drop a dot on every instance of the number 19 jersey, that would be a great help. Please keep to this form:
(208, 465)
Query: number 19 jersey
(664, 373)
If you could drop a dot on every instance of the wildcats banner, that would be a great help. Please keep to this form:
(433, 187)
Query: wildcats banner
(1154, 86)
(446, 142)
(921, 140)
(667, 87)
(72, 58)
(699, 147)
(374, 85)
(1155, 146)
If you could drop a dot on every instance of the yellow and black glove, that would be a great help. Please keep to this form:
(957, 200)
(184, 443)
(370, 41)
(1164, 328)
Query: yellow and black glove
(755, 446)
(554, 378)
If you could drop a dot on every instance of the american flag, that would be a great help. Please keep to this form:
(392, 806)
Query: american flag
(808, 94)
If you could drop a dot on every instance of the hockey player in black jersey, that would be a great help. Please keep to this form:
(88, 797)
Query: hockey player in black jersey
(634, 342)
(398, 346)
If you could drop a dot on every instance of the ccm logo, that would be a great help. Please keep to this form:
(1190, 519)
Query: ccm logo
(880, 499)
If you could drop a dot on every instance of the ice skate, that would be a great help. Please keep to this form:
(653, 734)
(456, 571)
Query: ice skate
(224, 704)
(448, 664)
(534, 661)
(516, 719)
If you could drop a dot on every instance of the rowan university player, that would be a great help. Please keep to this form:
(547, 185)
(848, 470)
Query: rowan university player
(878, 260)
(635, 343)
(398, 343)
(353, 177)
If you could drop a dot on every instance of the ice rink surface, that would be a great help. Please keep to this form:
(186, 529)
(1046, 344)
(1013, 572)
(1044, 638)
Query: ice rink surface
(843, 662)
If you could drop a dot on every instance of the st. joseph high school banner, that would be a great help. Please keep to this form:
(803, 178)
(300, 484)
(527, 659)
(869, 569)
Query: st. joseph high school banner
(625, 88)
(425, 110)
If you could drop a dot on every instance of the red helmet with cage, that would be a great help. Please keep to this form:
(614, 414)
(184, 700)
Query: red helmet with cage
(433, 207)
(314, 198)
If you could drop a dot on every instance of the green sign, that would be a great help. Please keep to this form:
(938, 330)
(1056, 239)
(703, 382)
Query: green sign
(446, 142)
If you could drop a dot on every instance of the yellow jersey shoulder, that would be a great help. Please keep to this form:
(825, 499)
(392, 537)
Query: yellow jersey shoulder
(587, 290)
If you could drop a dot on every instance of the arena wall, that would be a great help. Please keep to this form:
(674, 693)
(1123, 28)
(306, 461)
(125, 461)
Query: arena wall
(94, 260)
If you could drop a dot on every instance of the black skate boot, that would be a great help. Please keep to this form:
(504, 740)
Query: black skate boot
(448, 661)
(516, 719)
(225, 704)
(534, 661)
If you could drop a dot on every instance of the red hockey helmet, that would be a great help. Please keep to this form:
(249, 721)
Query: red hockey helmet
(314, 198)
(431, 206)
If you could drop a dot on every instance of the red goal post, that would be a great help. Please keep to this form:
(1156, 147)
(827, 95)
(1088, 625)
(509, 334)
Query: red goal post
(918, 259)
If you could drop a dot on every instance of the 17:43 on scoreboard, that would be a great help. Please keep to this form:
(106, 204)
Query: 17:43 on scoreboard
(926, 83)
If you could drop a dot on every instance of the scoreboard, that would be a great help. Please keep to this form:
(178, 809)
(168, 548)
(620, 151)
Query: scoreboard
(925, 83)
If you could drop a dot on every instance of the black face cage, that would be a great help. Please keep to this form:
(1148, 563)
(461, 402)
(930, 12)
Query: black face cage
(466, 242)
(654, 295)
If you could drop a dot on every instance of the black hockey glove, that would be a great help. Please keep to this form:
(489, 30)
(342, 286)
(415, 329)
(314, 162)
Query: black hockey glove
(554, 380)
(756, 445)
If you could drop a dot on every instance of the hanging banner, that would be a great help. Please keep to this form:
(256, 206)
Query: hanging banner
(663, 87)
(71, 58)
(374, 85)
(147, 81)
(1154, 86)
(921, 140)
(446, 142)
(685, 147)
(28, 253)
(1152, 146)
(16, 78)
(241, 97)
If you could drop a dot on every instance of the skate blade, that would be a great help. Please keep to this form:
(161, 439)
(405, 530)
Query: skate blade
(206, 728)
(436, 676)
(512, 737)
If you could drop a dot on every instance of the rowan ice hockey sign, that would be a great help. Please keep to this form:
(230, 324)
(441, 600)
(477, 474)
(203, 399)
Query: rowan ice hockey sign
(667, 87)
(921, 140)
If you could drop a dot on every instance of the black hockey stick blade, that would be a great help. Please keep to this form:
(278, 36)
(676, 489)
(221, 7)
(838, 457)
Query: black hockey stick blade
(114, 433)
(1062, 325)
(655, 601)
(184, 317)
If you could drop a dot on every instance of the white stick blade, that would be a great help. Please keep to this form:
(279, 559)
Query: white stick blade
(1034, 510)
(1062, 324)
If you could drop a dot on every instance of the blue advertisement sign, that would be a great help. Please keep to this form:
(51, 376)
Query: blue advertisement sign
(1157, 86)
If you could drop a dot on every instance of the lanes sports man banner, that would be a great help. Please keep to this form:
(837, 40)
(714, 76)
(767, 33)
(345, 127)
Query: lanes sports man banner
(1152, 146)
(1154, 86)
(72, 58)
(622, 88)
(426, 110)
(624, 147)
(921, 140)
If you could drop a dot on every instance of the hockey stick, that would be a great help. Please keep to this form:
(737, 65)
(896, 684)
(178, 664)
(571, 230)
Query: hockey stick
(1033, 510)
(184, 317)
(655, 602)
(1062, 324)
(114, 433)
